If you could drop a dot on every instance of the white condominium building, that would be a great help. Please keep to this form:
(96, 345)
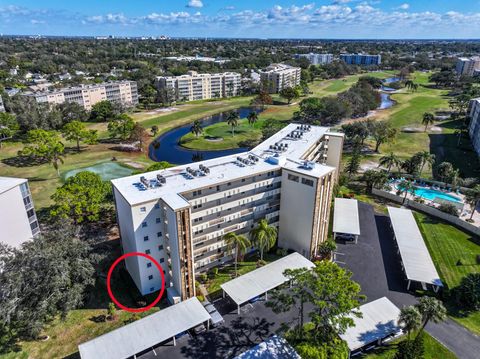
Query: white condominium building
(124, 93)
(474, 129)
(195, 86)
(316, 59)
(180, 215)
(18, 220)
(468, 66)
(280, 76)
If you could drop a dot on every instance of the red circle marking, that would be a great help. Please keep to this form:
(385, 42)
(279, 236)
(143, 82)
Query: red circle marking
(109, 276)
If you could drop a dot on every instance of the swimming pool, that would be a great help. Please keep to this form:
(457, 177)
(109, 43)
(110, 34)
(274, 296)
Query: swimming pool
(432, 194)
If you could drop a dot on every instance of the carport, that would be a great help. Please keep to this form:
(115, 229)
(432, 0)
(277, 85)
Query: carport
(345, 218)
(379, 321)
(262, 280)
(417, 263)
(145, 333)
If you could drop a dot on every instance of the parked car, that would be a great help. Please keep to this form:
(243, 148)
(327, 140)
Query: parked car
(199, 329)
(217, 319)
(345, 236)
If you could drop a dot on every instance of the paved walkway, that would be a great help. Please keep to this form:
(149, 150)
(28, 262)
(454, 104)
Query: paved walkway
(376, 267)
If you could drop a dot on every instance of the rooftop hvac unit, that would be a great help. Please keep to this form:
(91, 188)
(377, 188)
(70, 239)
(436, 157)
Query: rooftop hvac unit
(161, 179)
(207, 170)
(144, 181)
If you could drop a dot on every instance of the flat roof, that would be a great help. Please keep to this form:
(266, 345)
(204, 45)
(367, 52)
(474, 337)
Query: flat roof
(379, 320)
(273, 348)
(345, 217)
(7, 183)
(145, 333)
(224, 169)
(263, 279)
(416, 259)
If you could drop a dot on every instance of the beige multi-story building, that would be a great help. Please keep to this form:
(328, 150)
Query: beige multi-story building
(18, 220)
(280, 76)
(467, 66)
(180, 215)
(474, 127)
(195, 86)
(124, 93)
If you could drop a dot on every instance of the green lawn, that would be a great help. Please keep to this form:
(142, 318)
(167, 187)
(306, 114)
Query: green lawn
(433, 350)
(447, 245)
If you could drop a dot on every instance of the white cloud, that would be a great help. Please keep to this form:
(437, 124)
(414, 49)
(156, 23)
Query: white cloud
(404, 6)
(195, 3)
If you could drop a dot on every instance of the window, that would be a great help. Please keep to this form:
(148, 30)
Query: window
(159, 234)
(293, 178)
(149, 265)
(307, 182)
(218, 188)
(152, 289)
(150, 277)
(162, 260)
(144, 224)
(145, 238)
(160, 247)
(158, 220)
(147, 251)
(157, 206)
(143, 209)
(243, 179)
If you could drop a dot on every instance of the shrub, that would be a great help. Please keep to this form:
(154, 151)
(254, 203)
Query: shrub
(336, 349)
(201, 298)
(215, 271)
(468, 292)
(111, 311)
(203, 277)
(411, 349)
(449, 209)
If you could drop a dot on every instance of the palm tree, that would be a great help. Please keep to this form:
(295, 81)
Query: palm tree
(374, 179)
(196, 128)
(232, 120)
(431, 309)
(252, 118)
(410, 318)
(390, 161)
(428, 119)
(472, 197)
(405, 187)
(238, 243)
(263, 236)
(427, 159)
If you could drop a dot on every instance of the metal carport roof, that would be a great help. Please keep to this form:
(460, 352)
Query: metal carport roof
(416, 259)
(145, 333)
(379, 320)
(345, 218)
(263, 279)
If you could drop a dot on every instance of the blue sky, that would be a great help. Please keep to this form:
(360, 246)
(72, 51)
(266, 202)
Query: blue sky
(246, 18)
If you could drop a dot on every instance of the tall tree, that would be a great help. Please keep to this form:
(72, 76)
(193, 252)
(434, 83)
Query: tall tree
(389, 161)
(196, 128)
(444, 171)
(8, 126)
(405, 187)
(382, 132)
(102, 111)
(472, 197)
(232, 120)
(426, 159)
(252, 118)
(81, 198)
(431, 309)
(289, 93)
(411, 319)
(140, 136)
(239, 244)
(428, 119)
(77, 131)
(374, 179)
(353, 165)
(121, 126)
(47, 277)
(45, 145)
(263, 236)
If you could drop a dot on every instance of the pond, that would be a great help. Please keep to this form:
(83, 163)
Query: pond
(170, 150)
(387, 102)
(106, 170)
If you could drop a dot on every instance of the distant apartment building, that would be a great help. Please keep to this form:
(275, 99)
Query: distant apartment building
(468, 66)
(124, 93)
(474, 129)
(280, 76)
(316, 59)
(195, 86)
(2, 107)
(361, 59)
(180, 215)
(18, 220)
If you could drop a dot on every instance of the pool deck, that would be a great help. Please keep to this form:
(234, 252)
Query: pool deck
(467, 209)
